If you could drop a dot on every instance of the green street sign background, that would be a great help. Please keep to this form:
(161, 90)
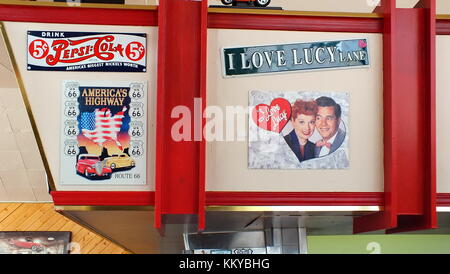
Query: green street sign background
(295, 57)
(379, 244)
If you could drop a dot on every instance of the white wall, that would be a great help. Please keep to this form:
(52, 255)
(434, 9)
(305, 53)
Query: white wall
(226, 162)
(443, 113)
(22, 174)
(226, 167)
(44, 91)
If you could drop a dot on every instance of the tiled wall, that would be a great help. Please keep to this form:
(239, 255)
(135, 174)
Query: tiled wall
(22, 175)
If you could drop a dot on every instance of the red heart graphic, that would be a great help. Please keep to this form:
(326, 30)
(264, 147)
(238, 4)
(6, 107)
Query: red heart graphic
(273, 117)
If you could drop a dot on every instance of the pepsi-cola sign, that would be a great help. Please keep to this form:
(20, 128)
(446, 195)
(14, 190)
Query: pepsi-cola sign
(87, 51)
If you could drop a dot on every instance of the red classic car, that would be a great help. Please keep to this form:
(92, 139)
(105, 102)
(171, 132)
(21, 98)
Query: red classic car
(27, 243)
(90, 166)
(257, 3)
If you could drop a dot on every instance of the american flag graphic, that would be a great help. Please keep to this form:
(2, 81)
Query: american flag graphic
(99, 126)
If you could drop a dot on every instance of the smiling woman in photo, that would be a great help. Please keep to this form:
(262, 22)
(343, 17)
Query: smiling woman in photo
(303, 121)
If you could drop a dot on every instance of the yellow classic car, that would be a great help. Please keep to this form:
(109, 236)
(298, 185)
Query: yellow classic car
(121, 160)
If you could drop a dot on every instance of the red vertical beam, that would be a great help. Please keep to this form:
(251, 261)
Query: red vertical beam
(409, 120)
(430, 67)
(161, 109)
(388, 217)
(181, 78)
(202, 156)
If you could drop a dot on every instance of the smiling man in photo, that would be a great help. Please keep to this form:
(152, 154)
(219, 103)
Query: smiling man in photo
(327, 123)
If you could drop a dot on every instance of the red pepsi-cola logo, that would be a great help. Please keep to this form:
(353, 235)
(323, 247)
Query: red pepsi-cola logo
(72, 51)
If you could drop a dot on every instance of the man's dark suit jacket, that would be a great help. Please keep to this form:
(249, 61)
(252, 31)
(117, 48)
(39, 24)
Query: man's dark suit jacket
(294, 144)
